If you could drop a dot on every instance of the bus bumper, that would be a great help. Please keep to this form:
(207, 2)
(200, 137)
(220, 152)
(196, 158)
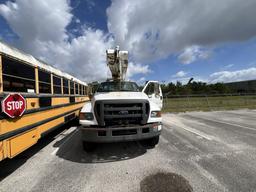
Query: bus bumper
(118, 134)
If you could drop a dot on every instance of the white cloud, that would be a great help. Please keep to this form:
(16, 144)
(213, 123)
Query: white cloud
(149, 29)
(153, 30)
(77, 21)
(180, 74)
(231, 76)
(38, 20)
(42, 30)
(221, 76)
(192, 54)
(142, 79)
(134, 69)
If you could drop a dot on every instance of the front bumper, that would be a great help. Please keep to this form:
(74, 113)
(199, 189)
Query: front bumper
(117, 134)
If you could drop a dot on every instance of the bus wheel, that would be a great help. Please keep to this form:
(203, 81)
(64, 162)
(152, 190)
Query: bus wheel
(89, 146)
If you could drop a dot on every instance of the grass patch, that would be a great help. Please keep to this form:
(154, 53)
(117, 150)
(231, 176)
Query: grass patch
(208, 103)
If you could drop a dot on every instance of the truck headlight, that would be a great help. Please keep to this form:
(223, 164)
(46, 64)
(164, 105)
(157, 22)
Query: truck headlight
(155, 113)
(86, 116)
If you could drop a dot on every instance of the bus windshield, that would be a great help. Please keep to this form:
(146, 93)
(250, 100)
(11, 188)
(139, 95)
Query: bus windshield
(115, 86)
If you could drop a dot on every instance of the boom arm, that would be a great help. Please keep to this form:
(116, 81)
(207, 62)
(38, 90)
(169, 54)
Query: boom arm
(117, 62)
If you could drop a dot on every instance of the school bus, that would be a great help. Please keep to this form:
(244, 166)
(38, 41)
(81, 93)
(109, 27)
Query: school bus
(52, 98)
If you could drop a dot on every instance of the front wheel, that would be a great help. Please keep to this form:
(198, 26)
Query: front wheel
(88, 146)
(152, 142)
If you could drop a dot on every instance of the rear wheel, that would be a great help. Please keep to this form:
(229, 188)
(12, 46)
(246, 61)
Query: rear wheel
(89, 146)
(152, 142)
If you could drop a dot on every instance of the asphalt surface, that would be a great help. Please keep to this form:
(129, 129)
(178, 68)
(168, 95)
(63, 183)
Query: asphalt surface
(198, 151)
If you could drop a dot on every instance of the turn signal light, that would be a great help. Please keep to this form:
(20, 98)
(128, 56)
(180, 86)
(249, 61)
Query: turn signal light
(156, 114)
(86, 116)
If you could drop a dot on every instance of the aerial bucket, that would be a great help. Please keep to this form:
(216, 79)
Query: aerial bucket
(117, 62)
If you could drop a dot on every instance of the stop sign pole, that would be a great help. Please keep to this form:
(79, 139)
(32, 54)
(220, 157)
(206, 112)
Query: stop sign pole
(14, 105)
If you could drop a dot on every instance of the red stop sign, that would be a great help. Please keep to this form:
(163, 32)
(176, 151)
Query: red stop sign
(14, 105)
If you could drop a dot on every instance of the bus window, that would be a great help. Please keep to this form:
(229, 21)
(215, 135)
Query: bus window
(81, 89)
(84, 87)
(72, 87)
(65, 86)
(85, 90)
(56, 85)
(76, 87)
(17, 76)
(44, 81)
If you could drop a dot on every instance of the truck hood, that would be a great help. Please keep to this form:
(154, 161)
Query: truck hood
(120, 95)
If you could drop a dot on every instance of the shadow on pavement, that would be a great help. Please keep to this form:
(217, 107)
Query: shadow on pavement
(70, 148)
(8, 166)
(163, 182)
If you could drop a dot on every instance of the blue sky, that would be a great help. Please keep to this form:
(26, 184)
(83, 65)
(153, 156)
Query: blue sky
(167, 41)
(92, 13)
(226, 57)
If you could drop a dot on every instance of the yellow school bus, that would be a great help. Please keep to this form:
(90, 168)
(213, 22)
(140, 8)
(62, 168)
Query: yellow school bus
(52, 99)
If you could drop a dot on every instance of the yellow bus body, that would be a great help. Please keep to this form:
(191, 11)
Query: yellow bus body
(65, 97)
(21, 133)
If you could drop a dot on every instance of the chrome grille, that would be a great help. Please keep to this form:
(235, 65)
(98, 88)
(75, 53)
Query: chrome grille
(121, 112)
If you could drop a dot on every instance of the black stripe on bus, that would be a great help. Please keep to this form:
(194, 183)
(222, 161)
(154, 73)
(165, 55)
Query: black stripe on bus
(29, 127)
(55, 127)
(43, 109)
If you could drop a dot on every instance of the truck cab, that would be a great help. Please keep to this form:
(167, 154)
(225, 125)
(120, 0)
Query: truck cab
(119, 111)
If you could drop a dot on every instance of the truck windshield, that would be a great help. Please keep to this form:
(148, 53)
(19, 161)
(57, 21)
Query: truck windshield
(115, 86)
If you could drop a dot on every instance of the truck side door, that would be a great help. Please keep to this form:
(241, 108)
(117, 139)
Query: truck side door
(154, 92)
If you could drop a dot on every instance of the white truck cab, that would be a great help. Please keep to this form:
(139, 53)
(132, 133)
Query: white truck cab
(119, 111)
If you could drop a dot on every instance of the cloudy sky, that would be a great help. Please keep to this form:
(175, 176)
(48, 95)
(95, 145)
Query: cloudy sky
(168, 40)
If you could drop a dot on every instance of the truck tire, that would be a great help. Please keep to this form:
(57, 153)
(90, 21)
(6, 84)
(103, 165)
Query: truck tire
(89, 146)
(152, 142)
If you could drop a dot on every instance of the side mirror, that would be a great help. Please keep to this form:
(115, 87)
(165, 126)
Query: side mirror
(90, 96)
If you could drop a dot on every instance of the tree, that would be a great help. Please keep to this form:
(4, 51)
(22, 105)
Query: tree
(194, 87)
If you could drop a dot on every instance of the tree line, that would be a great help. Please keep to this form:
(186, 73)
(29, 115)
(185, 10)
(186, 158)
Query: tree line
(194, 88)
(199, 88)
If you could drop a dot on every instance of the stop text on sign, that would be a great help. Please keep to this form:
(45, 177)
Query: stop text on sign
(14, 105)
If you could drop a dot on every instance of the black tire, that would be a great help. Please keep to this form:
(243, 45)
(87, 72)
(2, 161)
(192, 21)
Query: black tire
(88, 146)
(152, 142)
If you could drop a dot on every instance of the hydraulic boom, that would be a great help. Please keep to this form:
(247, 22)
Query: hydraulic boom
(117, 62)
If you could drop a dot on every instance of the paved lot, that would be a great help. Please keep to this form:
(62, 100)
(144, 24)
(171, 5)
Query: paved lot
(203, 151)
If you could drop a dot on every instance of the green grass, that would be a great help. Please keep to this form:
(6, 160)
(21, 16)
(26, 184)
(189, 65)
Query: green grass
(209, 103)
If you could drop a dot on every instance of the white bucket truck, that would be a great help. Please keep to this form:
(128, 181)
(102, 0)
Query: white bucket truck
(119, 111)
